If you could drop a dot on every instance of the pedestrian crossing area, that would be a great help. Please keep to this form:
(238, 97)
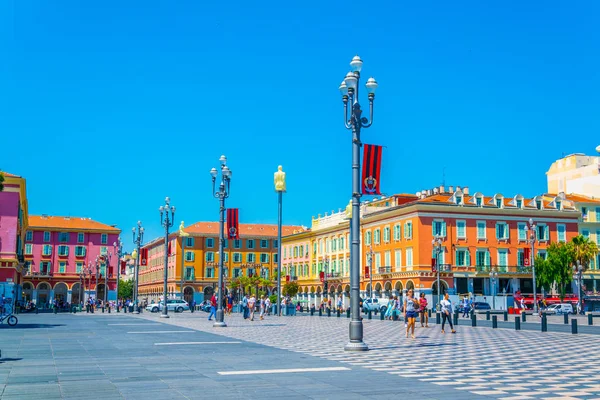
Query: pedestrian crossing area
(498, 363)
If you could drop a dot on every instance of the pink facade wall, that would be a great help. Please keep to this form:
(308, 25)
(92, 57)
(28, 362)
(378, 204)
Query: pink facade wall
(9, 222)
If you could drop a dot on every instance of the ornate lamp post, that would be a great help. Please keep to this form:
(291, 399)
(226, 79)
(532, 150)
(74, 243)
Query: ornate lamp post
(493, 280)
(118, 249)
(531, 227)
(370, 258)
(137, 240)
(184, 235)
(167, 222)
(437, 246)
(280, 188)
(222, 193)
(353, 120)
(578, 270)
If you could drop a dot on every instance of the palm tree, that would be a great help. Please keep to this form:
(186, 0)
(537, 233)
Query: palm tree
(584, 250)
(1, 180)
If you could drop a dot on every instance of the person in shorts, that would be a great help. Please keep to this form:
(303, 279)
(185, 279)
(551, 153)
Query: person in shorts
(411, 306)
(423, 310)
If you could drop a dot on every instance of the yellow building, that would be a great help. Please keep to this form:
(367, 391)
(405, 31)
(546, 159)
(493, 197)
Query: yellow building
(576, 174)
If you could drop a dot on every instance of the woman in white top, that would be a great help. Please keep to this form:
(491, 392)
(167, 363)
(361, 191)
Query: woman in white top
(411, 307)
(446, 305)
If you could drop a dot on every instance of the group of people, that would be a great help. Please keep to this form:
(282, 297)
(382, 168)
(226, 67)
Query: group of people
(248, 303)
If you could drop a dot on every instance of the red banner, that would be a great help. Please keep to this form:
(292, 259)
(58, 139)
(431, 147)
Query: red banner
(371, 169)
(367, 274)
(123, 267)
(322, 276)
(526, 256)
(433, 265)
(169, 248)
(287, 278)
(143, 256)
(233, 229)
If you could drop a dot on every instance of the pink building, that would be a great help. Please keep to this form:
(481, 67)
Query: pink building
(13, 220)
(68, 259)
(295, 258)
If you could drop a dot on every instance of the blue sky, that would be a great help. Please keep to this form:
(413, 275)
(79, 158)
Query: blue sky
(107, 107)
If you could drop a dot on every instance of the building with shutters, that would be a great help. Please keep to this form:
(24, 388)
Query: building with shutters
(13, 223)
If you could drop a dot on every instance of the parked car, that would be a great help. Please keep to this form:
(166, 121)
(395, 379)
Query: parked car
(375, 305)
(175, 305)
(562, 308)
(481, 306)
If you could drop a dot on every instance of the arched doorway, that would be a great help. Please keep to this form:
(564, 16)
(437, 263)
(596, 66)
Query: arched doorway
(188, 294)
(388, 289)
(43, 291)
(410, 285)
(208, 292)
(100, 290)
(76, 293)
(368, 290)
(27, 291)
(398, 289)
(378, 289)
(60, 292)
(444, 286)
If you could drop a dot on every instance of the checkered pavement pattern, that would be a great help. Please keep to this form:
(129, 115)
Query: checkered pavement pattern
(498, 363)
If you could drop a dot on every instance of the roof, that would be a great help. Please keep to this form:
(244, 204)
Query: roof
(270, 230)
(7, 174)
(579, 198)
(75, 223)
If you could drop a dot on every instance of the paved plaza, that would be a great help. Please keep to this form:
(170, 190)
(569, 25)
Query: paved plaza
(116, 356)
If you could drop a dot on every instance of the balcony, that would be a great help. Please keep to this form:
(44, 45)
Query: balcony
(189, 278)
(333, 275)
(385, 270)
(41, 274)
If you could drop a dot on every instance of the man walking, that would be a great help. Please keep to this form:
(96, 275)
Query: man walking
(245, 306)
(251, 304)
(213, 307)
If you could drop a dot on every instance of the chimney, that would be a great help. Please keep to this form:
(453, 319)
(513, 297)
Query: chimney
(466, 190)
(450, 189)
(428, 192)
(418, 194)
(458, 188)
(442, 189)
(436, 190)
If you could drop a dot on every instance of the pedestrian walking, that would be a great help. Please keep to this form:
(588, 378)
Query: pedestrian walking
(251, 305)
(268, 306)
(262, 307)
(389, 311)
(447, 312)
(340, 303)
(229, 303)
(411, 305)
(423, 310)
(245, 307)
(213, 307)
(465, 307)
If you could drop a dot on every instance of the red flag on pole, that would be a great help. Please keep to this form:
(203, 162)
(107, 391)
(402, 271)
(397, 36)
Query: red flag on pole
(371, 169)
(367, 274)
(233, 229)
(433, 265)
(169, 248)
(123, 266)
(322, 276)
(526, 256)
(143, 256)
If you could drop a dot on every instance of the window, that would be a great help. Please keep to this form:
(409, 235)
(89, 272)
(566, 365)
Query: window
(189, 256)
(295, 251)
(210, 256)
(519, 203)
(542, 254)
(103, 250)
(481, 230)
(47, 250)
(522, 231)
(250, 257)
(225, 243)
(285, 252)
(461, 229)
(499, 202)
(29, 236)
(409, 257)
(210, 272)
(342, 244)
(63, 237)
(45, 267)
(103, 238)
(250, 243)
(478, 201)
(264, 244)
(80, 251)
(377, 261)
(502, 257)
(237, 272)
(598, 236)
(386, 234)
(80, 237)
(397, 236)
(334, 244)
(28, 249)
(561, 232)
(377, 236)
(597, 214)
(210, 243)
(275, 258)
(502, 231)
(315, 248)
(459, 200)
(225, 257)
(463, 258)
(408, 230)
(301, 251)
(264, 258)
(368, 238)
(439, 228)
(78, 267)
(584, 212)
(237, 243)
(237, 257)
(275, 243)
(482, 258)
(398, 259)
(520, 258)
(538, 204)
(542, 232)
(388, 258)
(558, 205)
(46, 237)
(189, 242)
(190, 274)
(62, 267)
(585, 233)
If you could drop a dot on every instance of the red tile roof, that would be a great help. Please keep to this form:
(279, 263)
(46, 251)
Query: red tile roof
(578, 198)
(75, 223)
(260, 230)
(10, 175)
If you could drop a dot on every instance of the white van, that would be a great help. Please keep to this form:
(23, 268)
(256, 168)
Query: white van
(562, 308)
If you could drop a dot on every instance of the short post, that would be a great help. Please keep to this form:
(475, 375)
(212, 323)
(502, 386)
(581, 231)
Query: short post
(473, 319)
(369, 315)
(429, 313)
(102, 309)
(338, 312)
(574, 326)
(566, 319)
(505, 315)
(125, 309)
(487, 315)
(348, 313)
(382, 316)
(544, 323)
(524, 317)
(312, 311)
(55, 309)
(438, 318)
(329, 312)
(494, 321)
(517, 323)
(109, 309)
(320, 312)
(590, 319)
(455, 318)
(36, 310)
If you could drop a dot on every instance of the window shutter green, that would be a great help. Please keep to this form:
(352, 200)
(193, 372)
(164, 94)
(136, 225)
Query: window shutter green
(468, 257)
(443, 229)
(487, 258)
(546, 232)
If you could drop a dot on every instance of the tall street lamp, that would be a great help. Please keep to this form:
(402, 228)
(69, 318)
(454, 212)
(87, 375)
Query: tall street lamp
(531, 228)
(493, 280)
(280, 188)
(354, 121)
(106, 268)
(167, 222)
(370, 257)
(118, 249)
(221, 193)
(437, 246)
(138, 239)
(184, 235)
(578, 270)
(325, 273)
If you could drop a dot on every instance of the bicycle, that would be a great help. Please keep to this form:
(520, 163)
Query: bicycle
(11, 320)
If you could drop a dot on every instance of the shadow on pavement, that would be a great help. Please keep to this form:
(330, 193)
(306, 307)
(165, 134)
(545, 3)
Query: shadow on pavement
(3, 360)
(30, 326)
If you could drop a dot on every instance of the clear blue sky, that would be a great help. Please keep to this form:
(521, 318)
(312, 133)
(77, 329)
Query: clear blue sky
(107, 107)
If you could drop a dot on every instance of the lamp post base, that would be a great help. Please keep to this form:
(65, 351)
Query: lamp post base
(164, 315)
(356, 334)
(356, 346)
(136, 312)
(218, 324)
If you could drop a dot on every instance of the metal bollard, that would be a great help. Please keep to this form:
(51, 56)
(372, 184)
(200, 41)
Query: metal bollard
(590, 319)
(312, 312)
(524, 317)
(394, 316)
(429, 313)
(329, 312)
(473, 319)
(36, 310)
(574, 326)
(338, 312)
(505, 315)
(369, 315)
(348, 313)
(55, 310)
(455, 318)
(438, 318)
(382, 316)
(109, 309)
(494, 321)
(517, 323)
(566, 319)
(544, 323)
(487, 315)
(320, 312)
(102, 309)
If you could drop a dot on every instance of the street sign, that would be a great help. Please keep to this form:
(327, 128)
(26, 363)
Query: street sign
(433, 264)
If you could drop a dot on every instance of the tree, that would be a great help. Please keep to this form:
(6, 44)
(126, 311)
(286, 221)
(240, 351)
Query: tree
(1, 181)
(584, 250)
(290, 289)
(125, 289)
(557, 268)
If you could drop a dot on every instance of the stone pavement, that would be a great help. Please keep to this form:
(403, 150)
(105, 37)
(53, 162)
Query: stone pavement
(497, 363)
(119, 356)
